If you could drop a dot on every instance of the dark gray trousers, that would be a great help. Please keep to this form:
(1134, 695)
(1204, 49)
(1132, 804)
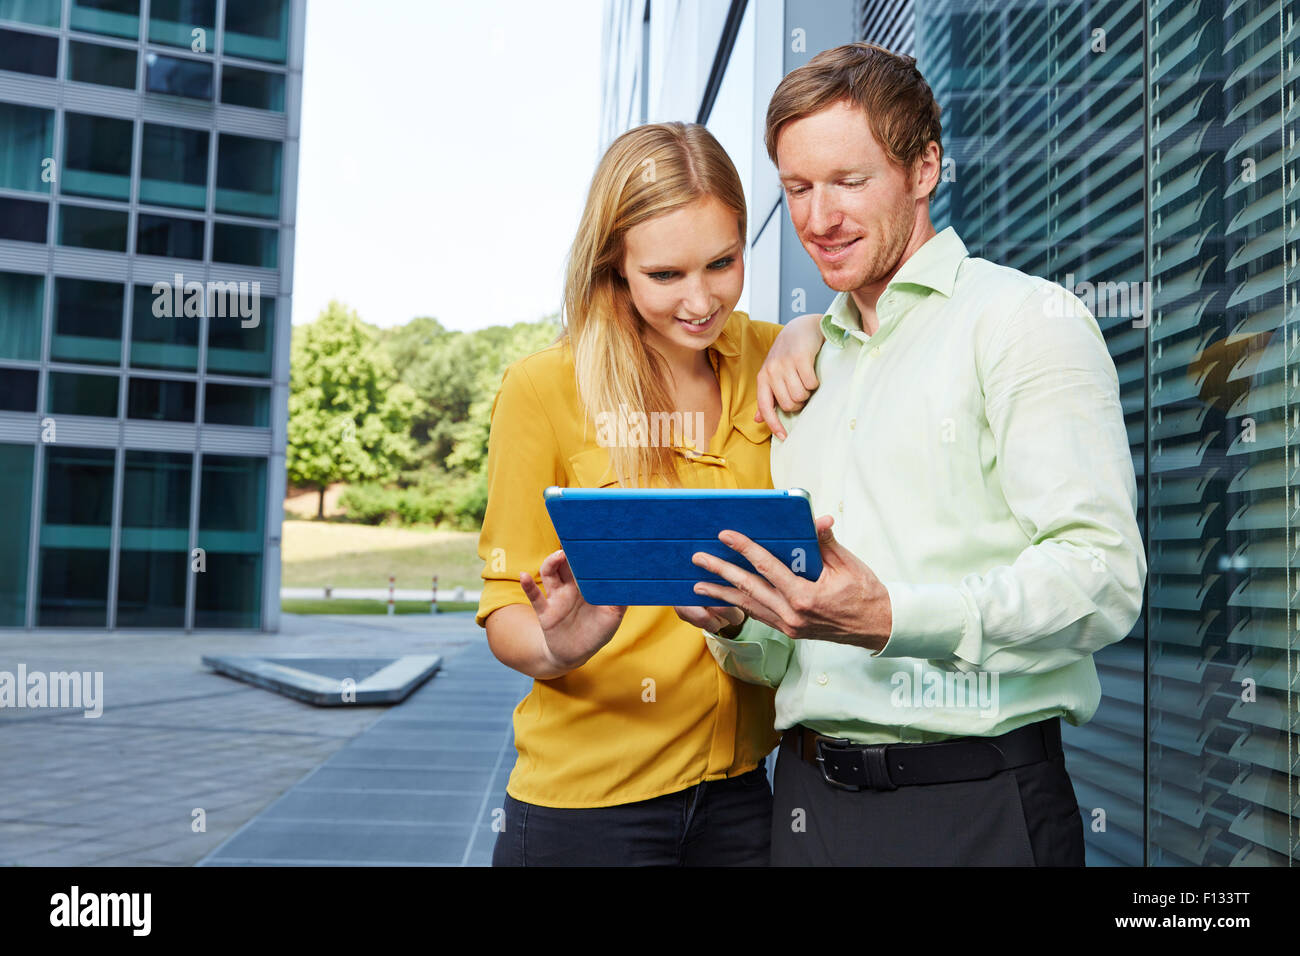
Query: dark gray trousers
(1023, 817)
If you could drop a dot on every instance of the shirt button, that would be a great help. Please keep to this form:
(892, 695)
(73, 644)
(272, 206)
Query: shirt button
(840, 506)
(853, 423)
(823, 679)
(875, 350)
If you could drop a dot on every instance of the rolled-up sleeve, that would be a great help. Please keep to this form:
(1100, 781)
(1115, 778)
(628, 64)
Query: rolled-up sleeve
(523, 460)
(758, 654)
(1053, 408)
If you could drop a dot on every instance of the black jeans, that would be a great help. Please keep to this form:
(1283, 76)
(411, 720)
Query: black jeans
(1022, 817)
(716, 823)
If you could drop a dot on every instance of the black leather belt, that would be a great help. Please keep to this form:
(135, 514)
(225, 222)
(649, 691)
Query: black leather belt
(851, 766)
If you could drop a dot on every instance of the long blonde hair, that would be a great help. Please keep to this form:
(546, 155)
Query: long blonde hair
(646, 172)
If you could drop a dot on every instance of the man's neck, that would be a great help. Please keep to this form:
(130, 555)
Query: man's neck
(866, 296)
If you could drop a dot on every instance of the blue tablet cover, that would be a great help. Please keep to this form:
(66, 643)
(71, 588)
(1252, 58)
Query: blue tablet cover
(633, 545)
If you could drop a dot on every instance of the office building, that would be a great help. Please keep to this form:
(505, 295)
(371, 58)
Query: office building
(148, 178)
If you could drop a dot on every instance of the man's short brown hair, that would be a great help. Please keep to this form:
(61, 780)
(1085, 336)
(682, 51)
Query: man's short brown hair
(900, 107)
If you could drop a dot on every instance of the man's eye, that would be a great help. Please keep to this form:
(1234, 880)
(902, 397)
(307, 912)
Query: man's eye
(796, 190)
(853, 182)
(723, 263)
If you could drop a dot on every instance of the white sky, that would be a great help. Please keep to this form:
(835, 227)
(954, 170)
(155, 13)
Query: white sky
(447, 147)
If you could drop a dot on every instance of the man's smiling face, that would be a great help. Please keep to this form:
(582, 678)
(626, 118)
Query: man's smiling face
(853, 208)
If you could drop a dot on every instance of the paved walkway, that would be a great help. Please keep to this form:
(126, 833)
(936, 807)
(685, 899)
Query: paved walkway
(422, 785)
(175, 738)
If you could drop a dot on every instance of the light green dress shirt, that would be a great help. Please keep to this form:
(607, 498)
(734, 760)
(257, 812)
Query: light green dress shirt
(974, 455)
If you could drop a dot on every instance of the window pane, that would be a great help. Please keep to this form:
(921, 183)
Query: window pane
(87, 322)
(174, 166)
(232, 507)
(174, 21)
(16, 491)
(248, 176)
(75, 535)
(97, 156)
(245, 245)
(23, 220)
(258, 29)
(160, 400)
(71, 393)
(92, 228)
(177, 77)
(104, 65)
(236, 350)
(256, 88)
(154, 559)
(236, 405)
(29, 53)
(43, 13)
(18, 389)
(168, 236)
(118, 18)
(161, 341)
(22, 308)
(26, 141)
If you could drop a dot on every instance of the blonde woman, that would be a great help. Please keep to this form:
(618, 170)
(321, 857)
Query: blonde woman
(634, 747)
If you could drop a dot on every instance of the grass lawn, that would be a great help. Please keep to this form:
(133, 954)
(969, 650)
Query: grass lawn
(363, 606)
(321, 553)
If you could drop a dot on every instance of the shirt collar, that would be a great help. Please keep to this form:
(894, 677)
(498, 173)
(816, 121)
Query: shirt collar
(933, 266)
(725, 343)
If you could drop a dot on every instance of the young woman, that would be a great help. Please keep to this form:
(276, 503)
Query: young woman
(634, 747)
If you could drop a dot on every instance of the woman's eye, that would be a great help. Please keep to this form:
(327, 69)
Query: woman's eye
(661, 276)
(722, 263)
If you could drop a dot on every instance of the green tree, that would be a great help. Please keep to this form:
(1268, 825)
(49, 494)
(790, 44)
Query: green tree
(349, 415)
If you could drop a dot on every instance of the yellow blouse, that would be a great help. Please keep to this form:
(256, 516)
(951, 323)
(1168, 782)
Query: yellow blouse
(650, 713)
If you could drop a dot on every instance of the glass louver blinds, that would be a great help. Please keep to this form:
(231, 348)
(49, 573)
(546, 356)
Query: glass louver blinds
(1142, 154)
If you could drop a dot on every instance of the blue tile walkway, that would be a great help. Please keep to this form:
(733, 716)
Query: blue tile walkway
(418, 787)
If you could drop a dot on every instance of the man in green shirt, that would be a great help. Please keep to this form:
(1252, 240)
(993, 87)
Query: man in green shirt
(967, 442)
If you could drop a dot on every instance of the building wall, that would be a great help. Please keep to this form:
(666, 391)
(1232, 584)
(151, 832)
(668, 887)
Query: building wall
(718, 62)
(143, 455)
(1141, 153)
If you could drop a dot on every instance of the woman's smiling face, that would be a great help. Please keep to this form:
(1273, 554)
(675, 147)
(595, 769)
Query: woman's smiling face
(681, 267)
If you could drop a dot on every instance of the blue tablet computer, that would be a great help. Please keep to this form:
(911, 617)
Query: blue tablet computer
(633, 545)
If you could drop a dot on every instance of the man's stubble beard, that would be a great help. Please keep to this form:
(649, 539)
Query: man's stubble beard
(898, 230)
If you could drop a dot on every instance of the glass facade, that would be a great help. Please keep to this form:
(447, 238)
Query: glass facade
(232, 508)
(117, 18)
(253, 88)
(169, 236)
(137, 417)
(1141, 153)
(27, 141)
(257, 29)
(160, 340)
(174, 166)
(154, 552)
(176, 76)
(96, 156)
(101, 64)
(248, 176)
(22, 311)
(75, 536)
(29, 53)
(186, 23)
(87, 321)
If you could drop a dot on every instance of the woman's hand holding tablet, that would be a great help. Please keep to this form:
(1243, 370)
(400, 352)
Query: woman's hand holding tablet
(573, 629)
